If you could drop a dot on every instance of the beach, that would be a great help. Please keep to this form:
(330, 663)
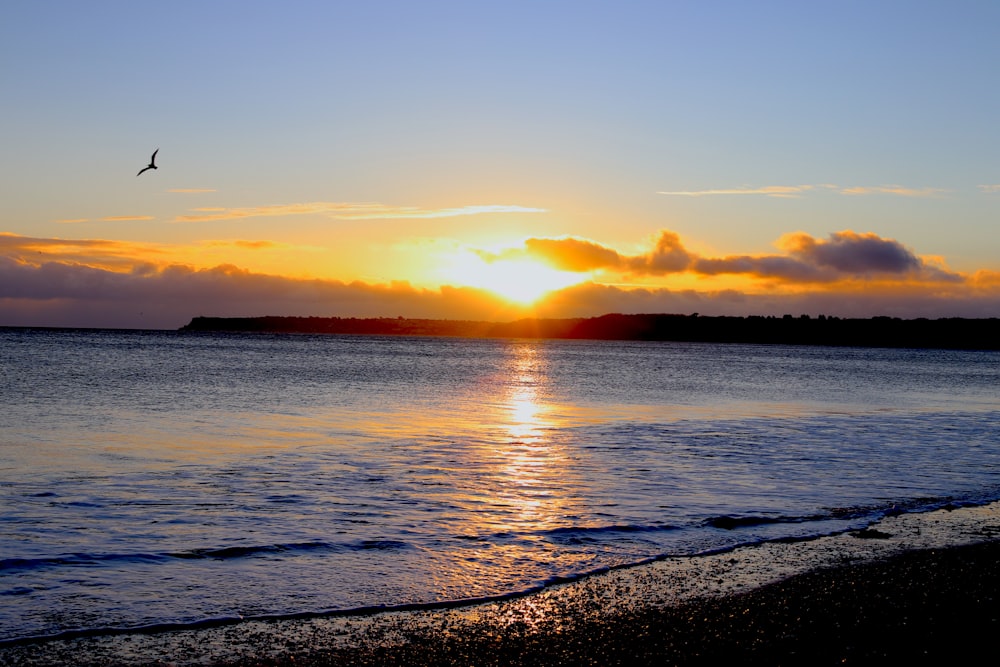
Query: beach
(924, 588)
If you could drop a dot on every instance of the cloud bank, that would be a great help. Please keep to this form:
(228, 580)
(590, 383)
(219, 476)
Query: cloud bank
(101, 283)
(845, 255)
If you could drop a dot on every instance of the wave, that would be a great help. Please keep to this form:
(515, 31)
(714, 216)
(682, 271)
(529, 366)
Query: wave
(732, 522)
(868, 514)
(860, 514)
(625, 528)
(563, 534)
(578, 534)
(172, 626)
(226, 553)
(10, 565)
(865, 513)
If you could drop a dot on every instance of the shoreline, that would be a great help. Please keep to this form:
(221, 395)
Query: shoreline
(890, 332)
(750, 603)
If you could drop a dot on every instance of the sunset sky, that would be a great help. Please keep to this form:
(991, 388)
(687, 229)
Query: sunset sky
(488, 160)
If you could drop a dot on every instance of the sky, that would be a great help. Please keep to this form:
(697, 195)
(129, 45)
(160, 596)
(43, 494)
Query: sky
(492, 161)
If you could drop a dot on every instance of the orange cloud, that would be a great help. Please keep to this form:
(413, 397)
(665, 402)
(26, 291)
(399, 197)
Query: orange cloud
(667, 256)
(581, 255)
(248, 245)
(985, 278)
(94, 252)
(56, 293)
(570, 254)
(349, 211)
(101, 283)
(843, 256)
(111, 218)
(68, 294)
(122, 255)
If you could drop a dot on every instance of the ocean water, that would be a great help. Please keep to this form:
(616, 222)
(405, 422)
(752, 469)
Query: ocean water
(151, 478)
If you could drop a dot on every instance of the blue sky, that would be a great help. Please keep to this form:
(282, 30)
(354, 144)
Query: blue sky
(402, 148)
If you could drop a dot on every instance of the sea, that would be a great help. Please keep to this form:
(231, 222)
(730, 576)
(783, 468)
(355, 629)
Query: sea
(153, 479)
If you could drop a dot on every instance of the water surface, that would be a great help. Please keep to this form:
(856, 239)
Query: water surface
(158, 477)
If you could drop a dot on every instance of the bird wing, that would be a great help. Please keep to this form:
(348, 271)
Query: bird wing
(152, 160)
(142, 170)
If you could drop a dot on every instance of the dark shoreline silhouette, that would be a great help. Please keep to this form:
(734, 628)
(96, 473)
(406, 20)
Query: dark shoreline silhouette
(945, 333)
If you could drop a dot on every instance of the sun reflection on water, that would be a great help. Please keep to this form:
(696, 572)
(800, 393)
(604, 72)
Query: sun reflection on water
(526, 415)
(532, 469)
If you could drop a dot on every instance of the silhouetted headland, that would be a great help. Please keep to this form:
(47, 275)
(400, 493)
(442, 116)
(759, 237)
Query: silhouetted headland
(945, 333)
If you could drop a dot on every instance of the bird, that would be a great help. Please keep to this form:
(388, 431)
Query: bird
(152, 163)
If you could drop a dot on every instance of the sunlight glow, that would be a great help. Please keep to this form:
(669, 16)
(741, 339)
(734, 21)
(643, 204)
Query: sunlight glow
(521, 281)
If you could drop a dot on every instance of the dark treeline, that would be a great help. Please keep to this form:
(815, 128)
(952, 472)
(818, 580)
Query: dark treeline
(948, 333)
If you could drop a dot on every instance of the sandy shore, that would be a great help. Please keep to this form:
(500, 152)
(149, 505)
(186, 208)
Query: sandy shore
(924, 588)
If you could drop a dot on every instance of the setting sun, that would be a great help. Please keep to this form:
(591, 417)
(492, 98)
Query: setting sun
(522, 281)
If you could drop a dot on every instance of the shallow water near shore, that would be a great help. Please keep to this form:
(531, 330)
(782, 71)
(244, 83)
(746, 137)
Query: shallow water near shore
(154, 477)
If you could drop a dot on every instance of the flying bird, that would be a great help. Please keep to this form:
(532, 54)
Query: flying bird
(152, 163)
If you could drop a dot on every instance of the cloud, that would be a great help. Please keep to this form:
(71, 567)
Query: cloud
(75, 249)
(212, 214)
(110, 218)
(783, 191)
(906, 301)
(794, 191)
(97, 253)
(65, 294)
(102, 283)
(849, 252)
(571, 254)
(990, 189)
(581, 255)
(667, 256)
(244, 244)
(845, 255)
(349, 211)
(413, 212)
(191, 191)
(897, 190)
(56, 293)
(769, 267)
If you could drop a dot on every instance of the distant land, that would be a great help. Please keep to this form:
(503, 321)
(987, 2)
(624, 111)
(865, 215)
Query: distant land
(947, 333)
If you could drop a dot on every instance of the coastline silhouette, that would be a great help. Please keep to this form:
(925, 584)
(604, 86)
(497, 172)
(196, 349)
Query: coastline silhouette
(152, 163)
(946, 333)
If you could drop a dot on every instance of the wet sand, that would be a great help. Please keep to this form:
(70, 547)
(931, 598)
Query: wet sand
(920, 588)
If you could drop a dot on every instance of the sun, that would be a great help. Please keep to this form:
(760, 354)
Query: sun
(521, 281)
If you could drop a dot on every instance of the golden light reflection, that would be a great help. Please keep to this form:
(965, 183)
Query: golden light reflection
(532, 477)
(533, 469)
(519, 482)
(526, 415)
